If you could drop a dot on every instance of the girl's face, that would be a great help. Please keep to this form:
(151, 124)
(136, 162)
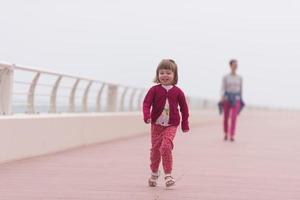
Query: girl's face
(166, 76)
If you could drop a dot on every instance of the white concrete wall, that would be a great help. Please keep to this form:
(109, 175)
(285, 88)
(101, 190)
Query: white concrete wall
(24, 136)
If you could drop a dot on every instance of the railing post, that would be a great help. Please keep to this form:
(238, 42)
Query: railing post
(131, 108)
(188, 101)
(54, 95)
(85, 97)
(98, 100)
(140, 100)
(205, 103)
(122, 103)
(72, 96)
(6, 89)
(31, 92)
(112, 98)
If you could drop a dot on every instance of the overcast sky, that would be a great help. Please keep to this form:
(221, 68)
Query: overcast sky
(123, 41)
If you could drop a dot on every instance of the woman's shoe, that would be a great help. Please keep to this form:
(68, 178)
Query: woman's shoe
(225, 138)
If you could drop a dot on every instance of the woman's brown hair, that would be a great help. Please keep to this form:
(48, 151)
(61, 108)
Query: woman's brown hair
(170, 65)
(232, 61)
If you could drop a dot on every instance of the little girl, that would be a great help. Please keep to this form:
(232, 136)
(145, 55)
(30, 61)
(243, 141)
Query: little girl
(163, 100)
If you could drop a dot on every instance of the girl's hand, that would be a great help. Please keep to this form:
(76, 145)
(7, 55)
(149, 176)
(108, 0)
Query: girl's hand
(185, 131)
(148, 121)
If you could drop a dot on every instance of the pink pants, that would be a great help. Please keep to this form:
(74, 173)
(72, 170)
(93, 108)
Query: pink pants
(231, 112)
(162, 146)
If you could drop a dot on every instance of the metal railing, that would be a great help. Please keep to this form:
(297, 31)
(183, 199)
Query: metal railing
(32, 91)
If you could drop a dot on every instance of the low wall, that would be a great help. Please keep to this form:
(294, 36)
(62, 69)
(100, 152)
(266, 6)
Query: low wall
(24, 136)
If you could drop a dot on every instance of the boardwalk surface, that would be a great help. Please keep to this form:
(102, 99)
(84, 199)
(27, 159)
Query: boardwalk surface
(263, 164)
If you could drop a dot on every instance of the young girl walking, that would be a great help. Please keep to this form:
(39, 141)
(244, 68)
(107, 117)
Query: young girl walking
(163, 100)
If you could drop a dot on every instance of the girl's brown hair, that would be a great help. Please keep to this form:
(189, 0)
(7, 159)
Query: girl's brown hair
(167, 64)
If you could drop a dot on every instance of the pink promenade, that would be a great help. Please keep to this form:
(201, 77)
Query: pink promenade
(263, 164)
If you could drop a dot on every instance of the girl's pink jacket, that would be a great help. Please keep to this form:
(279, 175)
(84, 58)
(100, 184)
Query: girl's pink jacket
(156, 98)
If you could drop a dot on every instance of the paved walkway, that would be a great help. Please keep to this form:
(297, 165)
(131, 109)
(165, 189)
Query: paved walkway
(263, 164)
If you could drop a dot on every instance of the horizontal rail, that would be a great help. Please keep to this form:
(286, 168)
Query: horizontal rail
(82, 95)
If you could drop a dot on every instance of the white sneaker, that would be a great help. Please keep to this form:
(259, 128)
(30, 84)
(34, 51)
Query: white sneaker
(170, 181)
(153, 179)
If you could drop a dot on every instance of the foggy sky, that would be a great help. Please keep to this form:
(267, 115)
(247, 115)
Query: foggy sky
(123, 41)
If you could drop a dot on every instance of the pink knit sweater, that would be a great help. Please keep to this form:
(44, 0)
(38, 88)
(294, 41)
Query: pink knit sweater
(156, 99)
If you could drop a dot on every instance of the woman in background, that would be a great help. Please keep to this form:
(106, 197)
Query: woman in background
(231, 99)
